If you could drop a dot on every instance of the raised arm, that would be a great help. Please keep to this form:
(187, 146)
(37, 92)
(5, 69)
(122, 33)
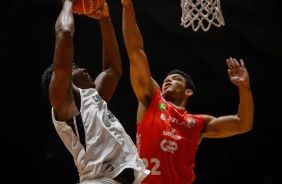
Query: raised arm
(106, 82)
(140, 75)
(60, 93)
(242, 122)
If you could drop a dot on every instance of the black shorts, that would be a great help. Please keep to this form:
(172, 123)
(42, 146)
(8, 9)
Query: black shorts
(126, 176)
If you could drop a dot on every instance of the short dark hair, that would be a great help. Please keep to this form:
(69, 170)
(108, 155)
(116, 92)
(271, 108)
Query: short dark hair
(46, 78)
(189, 83)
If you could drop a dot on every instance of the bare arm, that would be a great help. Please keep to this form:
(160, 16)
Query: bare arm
(60, 89)
(107, 80)
(242, 122)
(140, 75)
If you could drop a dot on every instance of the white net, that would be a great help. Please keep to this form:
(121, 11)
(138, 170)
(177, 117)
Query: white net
(201, 14)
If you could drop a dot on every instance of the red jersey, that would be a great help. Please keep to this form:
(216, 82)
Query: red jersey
(167, 141)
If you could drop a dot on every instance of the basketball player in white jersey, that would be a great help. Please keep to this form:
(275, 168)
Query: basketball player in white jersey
(102, 151)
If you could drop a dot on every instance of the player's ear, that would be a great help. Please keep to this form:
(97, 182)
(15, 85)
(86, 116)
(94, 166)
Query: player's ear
(188, 92)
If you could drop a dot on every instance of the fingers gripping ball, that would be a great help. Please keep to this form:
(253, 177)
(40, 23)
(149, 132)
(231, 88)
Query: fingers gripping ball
(86, 6)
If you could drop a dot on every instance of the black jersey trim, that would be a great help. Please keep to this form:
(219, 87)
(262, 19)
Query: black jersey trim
(80, 127)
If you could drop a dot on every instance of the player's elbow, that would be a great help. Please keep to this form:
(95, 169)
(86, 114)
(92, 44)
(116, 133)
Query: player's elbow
(247, 129)
(246, 126)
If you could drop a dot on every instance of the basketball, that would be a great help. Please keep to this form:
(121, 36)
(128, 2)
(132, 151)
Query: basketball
(86, 6)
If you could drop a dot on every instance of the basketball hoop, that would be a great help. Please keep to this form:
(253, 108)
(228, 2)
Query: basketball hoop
(201, 14)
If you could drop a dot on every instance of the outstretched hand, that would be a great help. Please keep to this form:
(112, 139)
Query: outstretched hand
(102, 12)
(237, 72)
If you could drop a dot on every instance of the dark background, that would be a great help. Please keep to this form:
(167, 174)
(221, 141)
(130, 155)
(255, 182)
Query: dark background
(252, 31)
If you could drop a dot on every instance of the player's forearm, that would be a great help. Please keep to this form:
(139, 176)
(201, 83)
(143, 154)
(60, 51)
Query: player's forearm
(131, 33)
(63, 56)
(111, 52)
(246, 108)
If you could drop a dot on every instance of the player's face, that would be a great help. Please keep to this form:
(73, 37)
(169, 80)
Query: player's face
(81, 78)
(173, 87)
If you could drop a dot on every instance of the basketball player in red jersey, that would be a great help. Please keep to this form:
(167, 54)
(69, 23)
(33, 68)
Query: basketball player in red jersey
(168, 135)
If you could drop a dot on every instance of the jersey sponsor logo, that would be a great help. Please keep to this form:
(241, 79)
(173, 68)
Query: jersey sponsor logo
(190, 122)
(169, 134)
(162, 106)
(169, 146)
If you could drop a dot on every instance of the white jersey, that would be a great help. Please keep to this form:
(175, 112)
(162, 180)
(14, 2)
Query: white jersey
(100, 146)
